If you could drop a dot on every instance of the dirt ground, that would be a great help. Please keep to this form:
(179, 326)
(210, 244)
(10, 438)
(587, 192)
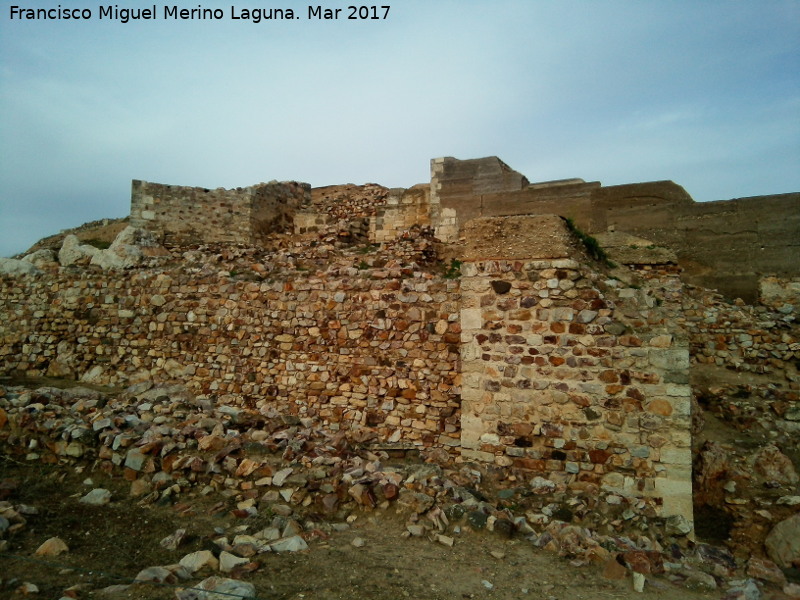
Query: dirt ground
(110, 544)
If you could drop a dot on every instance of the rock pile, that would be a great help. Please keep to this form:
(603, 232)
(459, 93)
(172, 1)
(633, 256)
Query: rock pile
(177, 449)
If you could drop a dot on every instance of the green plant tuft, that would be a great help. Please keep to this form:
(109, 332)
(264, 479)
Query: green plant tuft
(591, 244)
(453, 271)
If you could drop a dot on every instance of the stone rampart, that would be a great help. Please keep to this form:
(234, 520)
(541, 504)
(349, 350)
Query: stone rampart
(190, 215)
(726, 245)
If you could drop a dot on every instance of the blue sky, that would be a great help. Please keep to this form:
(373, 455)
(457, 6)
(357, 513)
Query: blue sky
(704, 93)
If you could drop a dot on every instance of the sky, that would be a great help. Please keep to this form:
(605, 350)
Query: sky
(706, 94)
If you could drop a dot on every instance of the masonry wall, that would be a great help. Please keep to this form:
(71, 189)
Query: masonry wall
(726, 245)
(756, 339)
(190, 215)
(567, 376)
(368, 350)
(403, 210)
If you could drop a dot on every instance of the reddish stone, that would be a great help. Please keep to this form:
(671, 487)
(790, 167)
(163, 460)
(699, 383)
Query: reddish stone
(608, 377)
(660, 407)
(637, 561)
(612, 569)
(599, 457)
(530, 464)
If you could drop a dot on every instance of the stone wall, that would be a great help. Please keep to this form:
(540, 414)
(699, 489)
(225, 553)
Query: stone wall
(741, 337)
(404, 209)
(726, 245)
(190, 215)
(568, 376)
(370, 349)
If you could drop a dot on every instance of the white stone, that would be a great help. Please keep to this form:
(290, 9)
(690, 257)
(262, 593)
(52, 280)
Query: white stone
(97, 497)
(228, 562)
(12, 266)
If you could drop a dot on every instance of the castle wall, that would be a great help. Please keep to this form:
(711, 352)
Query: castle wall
(365, 350)
(727, 245)
(565, 376)
(190, 215)
(403, 210)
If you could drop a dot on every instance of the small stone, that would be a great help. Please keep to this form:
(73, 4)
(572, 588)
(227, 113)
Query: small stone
(445, 540)
(172, 542)
(156, 575)
(783, 542)
(140, 487)
(28, 589)
(290, 544)
(280, 477)
(743, 590)
(197, 560)
(638, 581)
(52, 547)
(215, 588)
(678, 525)
(358, 542)
(487, 584)
(228, 562)
(765, 570)
(701, 582)
(97, 497)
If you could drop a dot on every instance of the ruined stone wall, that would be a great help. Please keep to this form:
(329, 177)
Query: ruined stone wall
(367, 349)
(190, 215)
(568, 376)
(404, 209)
(757, 339)
(726, 245)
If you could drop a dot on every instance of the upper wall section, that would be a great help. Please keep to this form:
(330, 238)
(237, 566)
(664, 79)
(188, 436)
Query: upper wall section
(190, 215)
(726, 245)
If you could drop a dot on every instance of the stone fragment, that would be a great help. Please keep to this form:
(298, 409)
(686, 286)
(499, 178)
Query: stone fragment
(72, 252)
(228, 562)
(291, 544)
(678, 525)
(743, 590)
(445, 540)
(701, 582)
(638, 581)
(358, 542)
(765, 570)
(156, 575)
(97, 497)
(52, 547)
(774, 466)
(217, 588)
(174, 540)
(613, 569)
(280, 477)
(783, 542)
(198, 560)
